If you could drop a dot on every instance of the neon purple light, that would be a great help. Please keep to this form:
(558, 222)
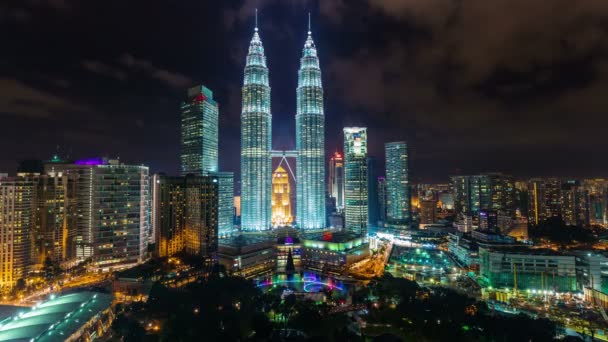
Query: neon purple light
(289, 240)
(90, 161)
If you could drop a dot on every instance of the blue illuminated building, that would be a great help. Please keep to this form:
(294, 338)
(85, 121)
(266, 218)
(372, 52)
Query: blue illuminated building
(310, 141)
(256, 141)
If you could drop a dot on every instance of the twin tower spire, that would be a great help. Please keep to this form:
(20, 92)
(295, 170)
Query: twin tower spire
(256, 140)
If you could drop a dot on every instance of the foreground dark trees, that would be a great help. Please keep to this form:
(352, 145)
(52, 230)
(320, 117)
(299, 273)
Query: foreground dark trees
(233, 309)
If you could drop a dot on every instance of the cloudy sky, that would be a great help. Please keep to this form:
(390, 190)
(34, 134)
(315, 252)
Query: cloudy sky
(517, 86)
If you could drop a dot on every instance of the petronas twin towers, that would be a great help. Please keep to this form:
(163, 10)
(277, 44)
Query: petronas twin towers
(256, 141)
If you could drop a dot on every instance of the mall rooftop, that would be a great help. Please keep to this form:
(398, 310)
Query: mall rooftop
(55, 319)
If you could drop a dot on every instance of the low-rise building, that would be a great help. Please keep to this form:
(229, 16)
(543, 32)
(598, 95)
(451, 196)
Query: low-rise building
(528, 269)
(248, 255)
(331, 252)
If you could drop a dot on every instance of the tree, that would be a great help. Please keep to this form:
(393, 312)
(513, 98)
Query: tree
(290, 267)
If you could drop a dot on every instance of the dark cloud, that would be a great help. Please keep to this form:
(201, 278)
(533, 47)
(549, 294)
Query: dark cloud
(511, 85)
(494, 72)
(104, 69)
(19, 99)
(173, 79)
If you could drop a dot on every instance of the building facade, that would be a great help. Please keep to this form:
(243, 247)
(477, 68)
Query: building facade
(382, 199)
(373, 205)
(256, 141)
(54, 234)
(199, 132)
(16, 233)
(281, 198)
(225, 215)
(310, 141)
(185, 215)
(355, 180)
(335, 185)
(112, 212)
(428, 211)
(397, 183)
(492, 191)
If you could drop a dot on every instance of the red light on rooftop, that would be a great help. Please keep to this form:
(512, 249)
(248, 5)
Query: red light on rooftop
(200, 98)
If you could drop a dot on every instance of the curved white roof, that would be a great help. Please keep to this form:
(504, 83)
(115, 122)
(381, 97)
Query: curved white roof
(55, 319)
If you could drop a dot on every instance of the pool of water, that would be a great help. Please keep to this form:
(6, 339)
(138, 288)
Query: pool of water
(302, 282)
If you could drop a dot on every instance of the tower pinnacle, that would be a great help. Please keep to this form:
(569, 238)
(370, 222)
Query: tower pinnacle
(309, 32)
(256, 20)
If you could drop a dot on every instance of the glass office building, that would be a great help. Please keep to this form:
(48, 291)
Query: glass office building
(397, 183)
(199, 132)
(355, 166)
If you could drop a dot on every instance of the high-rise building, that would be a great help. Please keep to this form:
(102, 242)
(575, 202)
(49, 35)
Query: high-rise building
(492, 191)
(382, 199)
(54, 229)
(199, 132)
(335, 185)
(281, 201)
(310, 141)
(544, 199)
(16, 235)
(355, 179)
(428, 211)
(256, 141)
(225, 182)
(112, 211)
(373, 205)
(185, 215)
(574, 200)
(597, 190)
(397, 183)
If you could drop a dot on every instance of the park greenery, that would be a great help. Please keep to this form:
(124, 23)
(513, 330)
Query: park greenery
(223, 308)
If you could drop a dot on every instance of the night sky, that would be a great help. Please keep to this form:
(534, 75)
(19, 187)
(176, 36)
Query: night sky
(519, 86)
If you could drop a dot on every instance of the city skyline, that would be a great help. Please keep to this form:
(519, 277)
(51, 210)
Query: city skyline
(102, 82)
(271, 170)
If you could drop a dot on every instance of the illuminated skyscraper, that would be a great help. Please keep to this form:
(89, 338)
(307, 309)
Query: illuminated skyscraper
(355, 166)
(199, 133)
(335, 185)
(281, 202)
(310, 141)
(256, 141)
(16, 215)
(112, 215)
(397, 184)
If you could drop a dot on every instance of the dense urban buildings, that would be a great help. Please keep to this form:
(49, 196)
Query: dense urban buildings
(199, 132)
(397, 183)
(355, 180)
(371, 252)
(256, 141)
(574, 201)
(335, 184)
(310, 141)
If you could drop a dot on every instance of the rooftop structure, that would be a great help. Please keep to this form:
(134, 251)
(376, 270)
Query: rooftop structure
(58, 319)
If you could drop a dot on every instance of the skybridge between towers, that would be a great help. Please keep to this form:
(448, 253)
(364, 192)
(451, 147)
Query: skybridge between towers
(283, 155)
